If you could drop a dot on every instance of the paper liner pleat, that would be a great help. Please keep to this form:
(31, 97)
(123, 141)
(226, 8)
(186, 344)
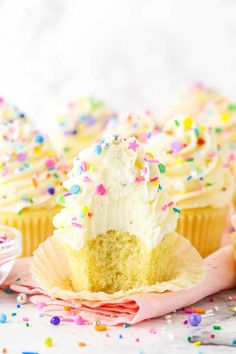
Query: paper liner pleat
(204, 228)
(51, 271)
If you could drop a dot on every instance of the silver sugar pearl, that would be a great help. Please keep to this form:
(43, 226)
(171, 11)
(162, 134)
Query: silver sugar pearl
(116, 139)
(21, 299)
(96, 323)
(106, 145)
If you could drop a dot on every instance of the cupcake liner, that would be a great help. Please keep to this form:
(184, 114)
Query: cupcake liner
(183, 264)
(233, 239)
(203, 227)
(35, 226)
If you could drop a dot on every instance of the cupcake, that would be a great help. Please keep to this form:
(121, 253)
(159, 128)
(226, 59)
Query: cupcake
(117, 229)
(80, 126)
(139, 124)
(191, 100)
(31, 178)
(197, 179)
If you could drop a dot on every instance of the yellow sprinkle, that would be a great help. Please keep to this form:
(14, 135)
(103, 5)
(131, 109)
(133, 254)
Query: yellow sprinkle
(202, 127)
(225, 117)
(37, 150)
(149, 154)
(155, 183)
(180, 160)
(50, 153)
(91, 169)
(188, 122)
(197, 343)
(48, 342)
(100, 328)
(84, 209)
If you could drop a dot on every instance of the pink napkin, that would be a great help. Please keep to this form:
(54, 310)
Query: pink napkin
(221, 274)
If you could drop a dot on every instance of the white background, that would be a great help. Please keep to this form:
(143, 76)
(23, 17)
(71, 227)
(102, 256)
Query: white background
(134, 53)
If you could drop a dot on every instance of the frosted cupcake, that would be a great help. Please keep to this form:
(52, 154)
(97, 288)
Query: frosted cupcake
(139, 124)
(117, 229)
(31, 177)
(80, 126)
(197, 179)
(192, 100)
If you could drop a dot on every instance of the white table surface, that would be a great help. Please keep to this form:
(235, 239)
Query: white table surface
(171, 335)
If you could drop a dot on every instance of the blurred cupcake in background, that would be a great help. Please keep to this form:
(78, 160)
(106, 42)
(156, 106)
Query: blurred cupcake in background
(198, 180)
(191, 100)
(80, 126)
(31, 176)
(9, 111)
(220, 115)
(140, 124)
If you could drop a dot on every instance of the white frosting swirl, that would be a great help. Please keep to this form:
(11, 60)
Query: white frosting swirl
(114, 186)
(197, 174)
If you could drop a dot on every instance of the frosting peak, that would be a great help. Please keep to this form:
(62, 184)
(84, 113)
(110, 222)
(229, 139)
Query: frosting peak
(115, 186)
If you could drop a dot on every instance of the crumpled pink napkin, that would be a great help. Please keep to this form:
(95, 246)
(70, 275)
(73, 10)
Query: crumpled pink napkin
(221, 274)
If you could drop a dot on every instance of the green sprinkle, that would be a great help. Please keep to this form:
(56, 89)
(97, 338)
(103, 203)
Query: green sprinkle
(208, 184)
(8, 291)
(160, 187)
(231, 107)
(126, 325)
(191, 159)
(18, 279)
(176, 210)
(162, 168)
(66, 149)
(218, 130)
(27, 324)
(234, 341)
(13, 314)
(189, 339)
(20, 212)
(60, 199)
(177, 123)
(196, 131)
(217, 328)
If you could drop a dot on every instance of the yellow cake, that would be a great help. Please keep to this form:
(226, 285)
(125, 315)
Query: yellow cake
(197, 179)
(31, 177)
(117, 229)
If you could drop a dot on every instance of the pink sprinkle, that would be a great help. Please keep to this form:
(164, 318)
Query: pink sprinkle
(83, 166)
(164, 207)
(67, 194)
(87, 179)
(79, 320)
(170, 203)
(188, 311)
(145, 170)
(154, 179)
(133, 145)
(234, 298)
(75, 224)
(152, 330)
(25, 319)
(137, 340)
(101, 190)
(139, 179)
(185, 322)
(72, 312)
(50, 163)
(1, 100)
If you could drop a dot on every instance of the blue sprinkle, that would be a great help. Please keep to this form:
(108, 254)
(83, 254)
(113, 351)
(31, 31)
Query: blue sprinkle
(234, 341)
(97, 149)
(120, 336)
(188, 178)
(3, 318)
(39, 139)
(75, 189)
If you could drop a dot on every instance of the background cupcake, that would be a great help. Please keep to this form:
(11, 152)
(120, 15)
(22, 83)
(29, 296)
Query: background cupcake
(31, 176)
(139, 124)
(80, 126)
(198, 180)
(191, 100)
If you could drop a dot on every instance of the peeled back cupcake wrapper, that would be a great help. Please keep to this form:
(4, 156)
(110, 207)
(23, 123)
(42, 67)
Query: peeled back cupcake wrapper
(51, 271)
